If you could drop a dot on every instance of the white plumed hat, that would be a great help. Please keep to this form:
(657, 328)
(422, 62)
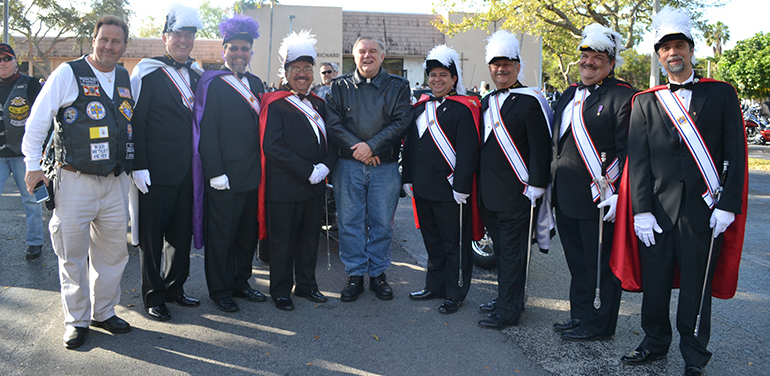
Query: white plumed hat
(670, 24)
(502, 44)
(296, 46)
(182, 17)
(602, 39)
(446, 57)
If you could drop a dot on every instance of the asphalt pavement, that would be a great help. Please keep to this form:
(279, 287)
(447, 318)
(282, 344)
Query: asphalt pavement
(366, 337)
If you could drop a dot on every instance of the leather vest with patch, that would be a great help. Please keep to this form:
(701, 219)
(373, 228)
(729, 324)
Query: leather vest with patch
(15, 113)
(94, 133)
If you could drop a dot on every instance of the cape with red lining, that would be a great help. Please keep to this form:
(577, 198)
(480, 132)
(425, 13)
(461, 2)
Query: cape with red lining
(474, 105)
(624, 260)
(267, 98)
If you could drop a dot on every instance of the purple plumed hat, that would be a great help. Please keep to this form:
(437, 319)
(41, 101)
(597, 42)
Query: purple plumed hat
(239, 27)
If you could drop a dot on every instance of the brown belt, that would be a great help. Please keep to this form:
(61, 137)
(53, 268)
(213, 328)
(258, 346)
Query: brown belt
(72, 169)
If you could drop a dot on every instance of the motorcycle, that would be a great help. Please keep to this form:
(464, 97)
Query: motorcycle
(757, 127)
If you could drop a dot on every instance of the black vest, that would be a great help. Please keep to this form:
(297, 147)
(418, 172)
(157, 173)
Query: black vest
(94, 134)
(15, 113)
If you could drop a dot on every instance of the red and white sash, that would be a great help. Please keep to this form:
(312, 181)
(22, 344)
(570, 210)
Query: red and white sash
(440, 139)
(312, 116)
(188, 97)
(587, 150)
(244, 91)
(506, 142)
(692, 138)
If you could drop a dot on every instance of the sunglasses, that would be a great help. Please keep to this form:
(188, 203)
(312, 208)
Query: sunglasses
(242, 48)
(7, 58)
(327, 72)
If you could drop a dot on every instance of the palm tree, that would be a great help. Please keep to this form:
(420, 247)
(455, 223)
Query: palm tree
(716, 35)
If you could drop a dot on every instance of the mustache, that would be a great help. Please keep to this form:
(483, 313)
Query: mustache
(675, 57)
(503, 73)
(589, 66)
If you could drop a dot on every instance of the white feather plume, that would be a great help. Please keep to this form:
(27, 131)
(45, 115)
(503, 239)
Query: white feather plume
(504, 44)
(294, 46)
(183, 16)
(671, 21)
(602, 39)
(446, 56)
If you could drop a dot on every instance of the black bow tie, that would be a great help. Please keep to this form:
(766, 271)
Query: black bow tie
(239, 74)
(674, 87)
(179, 65)
(505, 90)
(582, 86)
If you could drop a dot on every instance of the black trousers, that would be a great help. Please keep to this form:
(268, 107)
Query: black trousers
(165, 234)
(688, 249)
(580, 238)
(440, 228)
(231, 240)
(508, 230)
(293, 233)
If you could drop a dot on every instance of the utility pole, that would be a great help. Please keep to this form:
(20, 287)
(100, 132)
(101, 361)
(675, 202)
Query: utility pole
(269, 44)
(654, 67)
(291, 23)
(5, 22)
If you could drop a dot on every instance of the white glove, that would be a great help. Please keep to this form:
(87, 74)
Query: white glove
(142, 180)
(408, 189)
(460, 197)
(534, 193)
(720, 220)
(612, 202)
(319, 173)
(644, 225)
(220, 182)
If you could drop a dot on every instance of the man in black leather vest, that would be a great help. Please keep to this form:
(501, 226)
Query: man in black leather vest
(91, 100)
(17, 93)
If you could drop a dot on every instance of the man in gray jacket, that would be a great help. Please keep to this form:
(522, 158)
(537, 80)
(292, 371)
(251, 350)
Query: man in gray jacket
(369, 111)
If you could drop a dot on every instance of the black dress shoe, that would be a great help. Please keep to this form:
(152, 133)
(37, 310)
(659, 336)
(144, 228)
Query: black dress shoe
(184, 300)
(353, 289)
(580, 335)
(450, 306)
(227, 304)
(380, 286)
(33, 252)
(640, 356)
(113, 324)
(284, 303)
(74, 336)
(567, 325)
(423, 294)
(488, 307)
(159, 312)
(693, 371)
(250, 294)
(494, 321)
(313, 296)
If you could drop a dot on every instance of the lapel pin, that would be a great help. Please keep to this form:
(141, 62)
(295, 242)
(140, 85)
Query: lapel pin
(601, 107)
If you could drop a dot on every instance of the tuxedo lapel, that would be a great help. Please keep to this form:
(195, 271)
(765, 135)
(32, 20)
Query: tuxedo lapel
(666, 120)
(175, 93)
(697, 101)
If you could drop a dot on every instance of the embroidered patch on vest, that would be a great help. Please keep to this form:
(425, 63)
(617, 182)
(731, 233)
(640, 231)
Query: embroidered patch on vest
(70, 115)
(95, 110)
(125, 109)
(124, 92)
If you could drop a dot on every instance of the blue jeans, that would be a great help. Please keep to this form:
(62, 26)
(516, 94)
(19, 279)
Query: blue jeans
(32, 209)
(366, 205)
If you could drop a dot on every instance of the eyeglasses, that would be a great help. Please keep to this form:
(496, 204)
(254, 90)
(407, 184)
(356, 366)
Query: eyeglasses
(242, 48)
(7, 58)
(295, 70)
(327, 72)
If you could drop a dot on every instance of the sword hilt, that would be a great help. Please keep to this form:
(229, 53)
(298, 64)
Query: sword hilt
(597, 299)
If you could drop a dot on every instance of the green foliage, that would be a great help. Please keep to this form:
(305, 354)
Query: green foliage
(211, 16)
(716, 35)
(747, 66)
(151, 27)
(85, 29)
(635, 69)
(560, 23)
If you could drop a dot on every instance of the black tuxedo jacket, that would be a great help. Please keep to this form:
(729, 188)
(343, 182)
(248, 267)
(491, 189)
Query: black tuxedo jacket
(662, 171)
(499, 188)
(291, 149)
(230, 136)
(606, 114)
(163, 129)
(423, 165)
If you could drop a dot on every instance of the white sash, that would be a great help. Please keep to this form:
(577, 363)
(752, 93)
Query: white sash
(544, 106)
(440, 139)
(312, 115)
(506, 143)
(587, 150)
(241, 88)
(690, 136)
(188, 98)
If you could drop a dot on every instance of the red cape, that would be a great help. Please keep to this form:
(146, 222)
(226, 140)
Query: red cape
(473, 104)
(267, 98)
(624, 260)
